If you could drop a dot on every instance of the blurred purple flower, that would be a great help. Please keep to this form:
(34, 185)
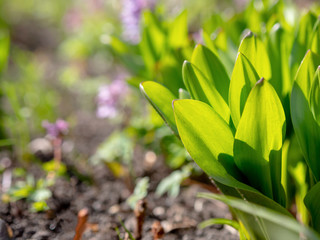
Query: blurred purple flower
(73, 19)
(109, 97)
(130, 16)
(197, 37)
(54, 130)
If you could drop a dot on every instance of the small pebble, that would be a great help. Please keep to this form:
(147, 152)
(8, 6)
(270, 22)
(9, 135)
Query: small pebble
(158, 211)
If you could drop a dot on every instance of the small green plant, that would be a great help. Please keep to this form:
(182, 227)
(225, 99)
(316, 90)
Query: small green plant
(33, 191)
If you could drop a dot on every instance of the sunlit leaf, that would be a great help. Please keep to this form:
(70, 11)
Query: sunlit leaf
(253, 48)
(178, 31)
(208, 139)
(4, 48)
(258, 140)
(305, 74)
(243, 78)
(313, 204)
(302, 40)
(278, 46)
(314, 100)
(265, 223)
(162, 103)
(211, 67)
(201, 88)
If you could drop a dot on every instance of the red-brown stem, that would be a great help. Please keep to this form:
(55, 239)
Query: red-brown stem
(157, 230)
(140, 212)
(57, 153)
(83, 215)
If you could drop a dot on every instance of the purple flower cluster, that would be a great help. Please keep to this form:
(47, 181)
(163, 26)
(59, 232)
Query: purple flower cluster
(109, 97)
(130, 16)
(54, 130)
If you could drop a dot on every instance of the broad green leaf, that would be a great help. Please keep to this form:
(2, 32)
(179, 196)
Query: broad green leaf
(278, 46)
(315, 40)
(211, 67)
(313, 204)
(265, 223)
(162, 102)
(201, 88)
(254, 49)
(314, 99)
(302, 40)
(208, 139)
(258, 140)
(4, 48)
(306, 129)
(305, 74)
(243, 78)
(213, 23)
(178, 31)
(153, 41)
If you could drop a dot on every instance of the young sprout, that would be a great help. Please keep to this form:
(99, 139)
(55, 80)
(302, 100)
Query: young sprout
(140, 212)
(82, 222)
(157, 230)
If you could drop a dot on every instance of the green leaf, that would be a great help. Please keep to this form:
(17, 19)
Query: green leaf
(211, 67)
(258, 140)
(201, 88)
(183, 94)
(304, 123)
(313, 204)
(253, 48)
(153, 41)
(178, 31)
(315, 40)
(305, 74)
(4, 48)
(314, 99)
(221, 221)
(243, 78)
(39, 206)
(265, 223)
(162, 103)
(210, 145)
(278, 46)
(302, 40)
(306, 128)
(140, 192)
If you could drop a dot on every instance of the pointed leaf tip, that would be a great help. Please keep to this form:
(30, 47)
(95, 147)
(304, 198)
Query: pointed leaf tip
(249, 34)
(173, 101)
(260, 82)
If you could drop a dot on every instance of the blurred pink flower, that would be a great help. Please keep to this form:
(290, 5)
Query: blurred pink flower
(109, 98)
(54, 130)
(130, 17)
(73, 19)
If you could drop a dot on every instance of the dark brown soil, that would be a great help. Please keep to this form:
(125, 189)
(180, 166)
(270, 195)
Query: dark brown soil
(106, 202)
